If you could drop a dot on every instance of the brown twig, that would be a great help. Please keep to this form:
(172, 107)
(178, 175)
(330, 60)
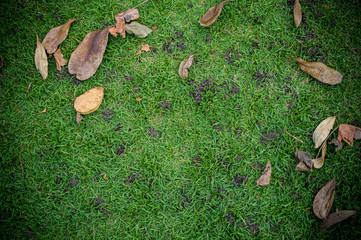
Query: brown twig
(294, 137)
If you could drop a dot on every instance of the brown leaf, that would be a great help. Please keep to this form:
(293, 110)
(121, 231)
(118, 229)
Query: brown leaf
(86, 58)
(320, 71)
(137, 29)
(41, 60)
(266, 175)
(324, 199)
(145, 48)
(1, 61)
(28, 89)
(322, 130)
(318, 162)
(337, 143)
(129, 15)
(79, 117)
(89, 101)
(56, 36)
(304, 161)
(59, 58)
(297, 14)
(212, 14)
(336, 217)
(185, 64)
(347, 133)
(121, 18)
(44, 110)
(120, 26)
(139, 99)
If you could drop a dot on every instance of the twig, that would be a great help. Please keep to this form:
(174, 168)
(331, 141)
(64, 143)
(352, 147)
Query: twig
(141, 4)
(325, 142)
(21, 164)
(294, 137)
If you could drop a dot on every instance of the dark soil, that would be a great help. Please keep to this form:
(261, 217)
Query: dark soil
(200, 89)
(131, 178)
(230, 218)
(238, 180)
(181, 45)
(154, 133)
(257, 166)
(197, 159)
(251, 225)
(185, 200)
(117, 128)
(167, 47)
(120, 150)
(208, 39)
(165, 104)
(268, 137)
(232, 56)
(73, 182)
(98, 201)
(128, 77)
(107, 114)
(261, 77)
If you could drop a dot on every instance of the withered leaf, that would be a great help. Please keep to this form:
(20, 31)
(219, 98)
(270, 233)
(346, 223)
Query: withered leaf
(318, 162)
(41, 60)
(137, 29)
(322, 131)
(145, 48)
(339, 145)
(56, 36)
(336, 217)
(304, 161)
(59, 58)
(297, 14)
(86, 58)
(320, 71)
(129, 15)
(185, 64)
(121, 18)
(347, 133)
(79, 117)
(44, 110)
(212, 14)
(89, 101)
(324, 199)
(266, 175)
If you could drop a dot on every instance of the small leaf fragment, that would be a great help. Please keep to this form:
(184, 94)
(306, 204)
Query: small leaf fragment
(212, 14)
(266, 175)
(41, 60)
(59, 59)
(336, 217)
(297, 14)
(304, 161)
(339, 145)
(44, 110)
(318, 162)
(89, 101)
(185, 64)
(79, 117)
(138, 29)
(320, 71)
(324, 199)
(322, 130)
(121, 18)
(145, 48)
(347, 133)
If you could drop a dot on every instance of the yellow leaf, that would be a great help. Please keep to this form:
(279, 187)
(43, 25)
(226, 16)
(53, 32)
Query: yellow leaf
(41, 60)
(322, 131)
(89, 101)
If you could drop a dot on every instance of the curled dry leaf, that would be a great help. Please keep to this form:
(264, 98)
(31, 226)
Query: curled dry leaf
(348, 132)
(318, 162)
(41, 60)
(339, 145)
(44, 110)
(336, 217)
(212, 14)
(121, 18)
(56, 36)
(79, 117)
(185, 64)
(145, 48)
(297, 14)
(304, 161)
(320, 71)
(137, 29)
(266, 175)
(89, 101)
(59, 59)
(322, 131)
(324, 200)
(86, 58)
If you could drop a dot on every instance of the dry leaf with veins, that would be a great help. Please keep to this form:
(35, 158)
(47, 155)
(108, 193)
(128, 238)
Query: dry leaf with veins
(266, 175)
(145, 48)
(336, 217)
(320, 71)
(212, 14)
(297, 14)
(304, 161)
(185, 64)
(348, 132)
(86, 58)
(41, 60)
(324, 200)
(121, 18)
(56, 36)
(322, 131)
(59, 59)
(89, 101)
(138, 29)
(318, 162)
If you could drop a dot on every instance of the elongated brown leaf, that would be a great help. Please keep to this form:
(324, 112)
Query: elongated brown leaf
(320, 71)
(129, 15)
(322, 131)
(212, 14)
(336, 217)
(121, 18)
(185, 64)
(86, 58)
(304, 161)
(339, 145)
(266, 175)
(297, 14)
(324, 199)
(138, 29)
(347, 133)
(89, 101)
(59, 58)
(56, 36)
(318, 162)
(41, 60)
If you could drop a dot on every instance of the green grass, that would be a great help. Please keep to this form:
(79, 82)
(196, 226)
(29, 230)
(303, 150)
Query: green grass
(180, 185)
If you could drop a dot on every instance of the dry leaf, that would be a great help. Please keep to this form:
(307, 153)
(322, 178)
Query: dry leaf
(266, 175)
(297, 14)
(212, 14)
(120, 26)
(185, 64)
(138, 99)
(320, 71)
(137, 29)
(1, 61)
(337, 143)
(44, 110)
(145, 48)
(56, 36)
(79, 117)
(41, 60)
(59, 58)
(324, 199)
(322, 131)
(89, 101)
(105, 177)
(336, 217)
(347, 133)
(29, 86)
(86, 58)
(318, 162)
(155, 28)
(121, 18)
(304, 161)
(129, 15)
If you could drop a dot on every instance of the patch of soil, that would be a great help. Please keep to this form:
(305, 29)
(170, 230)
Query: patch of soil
(117, 128)
(58, 17)
(238, 180)
(165, 104)
(238, 132)
(167, 47)
(261, 77)
(107, 114)
(73, 182)
(28, 233)
(295, 196)
(251, 225)
(190, 5)
(230, 218)
(107, 24)
(128, 77)
(197, 159)
(239, 157)
(154, 133)
(257, 166)
(181, 45)
(185, 200)
(268, 137)
(179, 34)
(201, 88)
(136, 89)
(356, 123)
(150, 183)
(290, 105)
(208, 39)
(232, 56)
(131, 178)
(58, 179)
(217, 126)
(98, 201)
(120, 150)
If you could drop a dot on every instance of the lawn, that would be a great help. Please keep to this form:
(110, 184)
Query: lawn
(171, 158)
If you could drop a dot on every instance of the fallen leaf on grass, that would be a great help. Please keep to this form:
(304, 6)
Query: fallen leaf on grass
(41, 60)
(56, 36)
(89, 101)
(297, 14)
(320, 71)
(336, 217)
(318, 162)
(137, 29)
(155, 28)
(324, 200)
(185, 64)
(348, 132)
(212, 14)
(121, 18)
(59, 59)
(29, 86)
(304, 161)
(44, 110)
(145, 48)
(79, 117)
(266, 175)
(86, 58)
(138, 99)
(339, 145)
(322, 130)
(105, 177)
